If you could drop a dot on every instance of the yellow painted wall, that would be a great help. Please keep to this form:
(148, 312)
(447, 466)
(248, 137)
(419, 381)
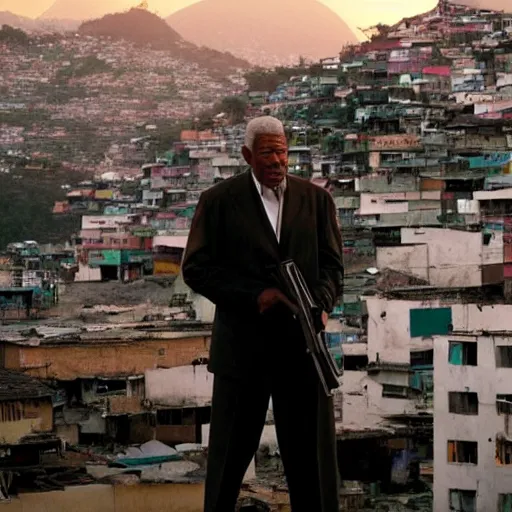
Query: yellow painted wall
(160, 498)
(106, 498)
(38, 417)
(12, 431)
(161, 267)
(90, 498)
(44, 411)
(103, 194)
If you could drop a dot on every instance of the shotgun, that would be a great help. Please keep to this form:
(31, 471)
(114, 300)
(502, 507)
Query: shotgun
(295, 288)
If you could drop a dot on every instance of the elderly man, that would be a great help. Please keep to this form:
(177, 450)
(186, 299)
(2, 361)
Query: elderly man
(243, 229)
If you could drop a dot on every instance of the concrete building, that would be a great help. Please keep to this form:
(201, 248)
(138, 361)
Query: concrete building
(472, 407)
(389, 371)
(102, 377)
(446, 258)
(454, 345)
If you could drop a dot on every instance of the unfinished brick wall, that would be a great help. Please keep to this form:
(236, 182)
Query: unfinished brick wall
(110, 359)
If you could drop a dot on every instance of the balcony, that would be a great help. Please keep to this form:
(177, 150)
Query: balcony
(481, 143)
(111, 244)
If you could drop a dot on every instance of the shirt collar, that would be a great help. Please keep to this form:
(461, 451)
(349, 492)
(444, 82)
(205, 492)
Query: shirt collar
(261, 188)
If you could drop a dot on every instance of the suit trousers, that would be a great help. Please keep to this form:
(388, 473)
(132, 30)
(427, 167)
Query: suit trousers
(304, 421)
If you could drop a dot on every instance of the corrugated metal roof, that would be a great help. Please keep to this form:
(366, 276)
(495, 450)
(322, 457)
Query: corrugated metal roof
(18, 386)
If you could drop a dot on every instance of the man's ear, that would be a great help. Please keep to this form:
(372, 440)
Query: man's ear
(247, 154)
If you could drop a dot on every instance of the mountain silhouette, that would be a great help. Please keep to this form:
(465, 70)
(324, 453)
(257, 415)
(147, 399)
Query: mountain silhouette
(136, 25)
(145, 28)
(84, 9)
(89, 9)
(8, 18)
(31, 25)
(283, 28)
(29, 8)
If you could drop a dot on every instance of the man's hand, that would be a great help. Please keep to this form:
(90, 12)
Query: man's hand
(272, 296)
(320, 319)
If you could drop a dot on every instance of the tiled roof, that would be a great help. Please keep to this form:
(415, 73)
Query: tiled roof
(18, 386)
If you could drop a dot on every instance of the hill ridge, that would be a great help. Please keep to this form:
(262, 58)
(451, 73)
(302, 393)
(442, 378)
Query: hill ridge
(145, 28)
(285, 28)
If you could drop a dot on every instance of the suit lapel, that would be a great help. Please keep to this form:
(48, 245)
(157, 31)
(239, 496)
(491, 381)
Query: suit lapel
(251, 206)
(292, 209)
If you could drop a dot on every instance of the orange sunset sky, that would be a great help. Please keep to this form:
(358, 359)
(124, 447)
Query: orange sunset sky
(360, 13)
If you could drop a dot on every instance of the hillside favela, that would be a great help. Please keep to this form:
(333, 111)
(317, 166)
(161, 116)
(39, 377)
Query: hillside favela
(115, 119)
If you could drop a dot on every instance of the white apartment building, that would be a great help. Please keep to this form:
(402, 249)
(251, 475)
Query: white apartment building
(376, 382)
(447, 258)
(472, 407)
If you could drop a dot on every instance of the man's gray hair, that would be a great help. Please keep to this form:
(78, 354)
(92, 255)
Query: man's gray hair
(263, 125)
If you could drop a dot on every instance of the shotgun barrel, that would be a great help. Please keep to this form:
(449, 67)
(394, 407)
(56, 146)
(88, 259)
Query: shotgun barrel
(296, 289)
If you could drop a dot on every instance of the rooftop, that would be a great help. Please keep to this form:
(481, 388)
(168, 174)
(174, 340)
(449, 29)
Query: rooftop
(477, 295)
(400, 429)
(48, 335)
(18, 386)
(480, 333)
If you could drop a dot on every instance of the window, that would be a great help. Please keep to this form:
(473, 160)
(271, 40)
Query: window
(178, 300)
(503, 451)
(430, 322)
(504, 357)
(463, 403)
(169, 417)
(176, 417)
(333, 339)
(12, 411)
(424, 358)
(355, 363)
(111, 386)
(504, 404)
(504, 502)
(463, 353)
(462, 500)
(392, 391)
(463, 452)
(189, 416)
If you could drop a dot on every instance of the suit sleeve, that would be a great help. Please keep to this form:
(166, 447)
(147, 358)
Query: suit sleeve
(202, 266)
(329, 287)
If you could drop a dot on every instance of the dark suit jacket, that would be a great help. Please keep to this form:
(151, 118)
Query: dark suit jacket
(232, 251)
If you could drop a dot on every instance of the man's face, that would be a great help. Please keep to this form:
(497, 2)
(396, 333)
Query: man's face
(268, 159)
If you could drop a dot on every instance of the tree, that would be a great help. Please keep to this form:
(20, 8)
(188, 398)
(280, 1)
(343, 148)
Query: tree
(234, 106)
(316, 69)
(13, 35)
(166, 136)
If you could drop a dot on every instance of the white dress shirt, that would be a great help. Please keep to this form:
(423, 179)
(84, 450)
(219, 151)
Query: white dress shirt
(272, 200)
